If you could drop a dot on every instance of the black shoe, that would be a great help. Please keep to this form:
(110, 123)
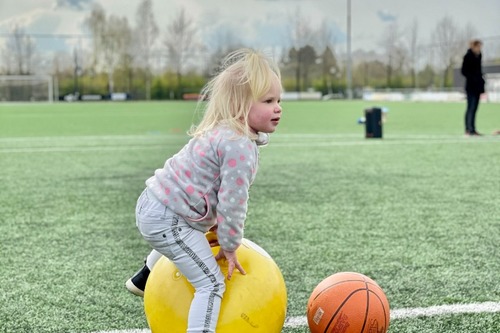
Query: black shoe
(137, 283)
(476, 134)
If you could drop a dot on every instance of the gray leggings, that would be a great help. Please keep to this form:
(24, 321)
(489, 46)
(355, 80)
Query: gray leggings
(190, 251)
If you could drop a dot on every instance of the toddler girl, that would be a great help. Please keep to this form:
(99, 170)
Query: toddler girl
(205, 185)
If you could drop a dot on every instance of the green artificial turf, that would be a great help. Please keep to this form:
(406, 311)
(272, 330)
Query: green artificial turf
(418, 211)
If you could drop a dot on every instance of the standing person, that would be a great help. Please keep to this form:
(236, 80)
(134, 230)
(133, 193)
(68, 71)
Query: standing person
(205, 185)
(474, 84)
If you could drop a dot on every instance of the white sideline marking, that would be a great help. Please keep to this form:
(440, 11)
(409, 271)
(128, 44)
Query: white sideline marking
(277, 136)
(486, 307)
(439, 310)
(82, 149)
(278, 144)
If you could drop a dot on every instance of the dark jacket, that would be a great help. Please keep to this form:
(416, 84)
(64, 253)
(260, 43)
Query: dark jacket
(471, 69)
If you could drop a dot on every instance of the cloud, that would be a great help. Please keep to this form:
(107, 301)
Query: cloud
(25, 20)
(73, 4)
(386, 16)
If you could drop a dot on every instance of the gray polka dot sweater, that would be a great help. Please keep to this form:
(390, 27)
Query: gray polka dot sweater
(207, 183)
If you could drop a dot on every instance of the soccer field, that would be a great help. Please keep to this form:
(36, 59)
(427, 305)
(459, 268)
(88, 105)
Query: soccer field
(418, 211)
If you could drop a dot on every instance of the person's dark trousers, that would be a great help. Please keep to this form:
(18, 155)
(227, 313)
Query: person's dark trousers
(470, 114)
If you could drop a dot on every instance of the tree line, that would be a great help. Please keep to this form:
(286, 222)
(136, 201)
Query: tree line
(149, 62)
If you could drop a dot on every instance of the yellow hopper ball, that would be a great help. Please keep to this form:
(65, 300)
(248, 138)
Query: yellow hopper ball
(252, 303)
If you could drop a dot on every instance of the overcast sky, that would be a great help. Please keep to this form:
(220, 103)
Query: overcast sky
(260, 23)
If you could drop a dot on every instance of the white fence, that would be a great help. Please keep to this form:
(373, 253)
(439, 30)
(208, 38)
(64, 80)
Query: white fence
(426, 96)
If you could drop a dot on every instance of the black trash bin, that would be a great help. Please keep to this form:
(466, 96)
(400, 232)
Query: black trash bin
(373, 122)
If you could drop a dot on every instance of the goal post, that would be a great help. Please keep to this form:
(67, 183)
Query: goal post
(26, 88)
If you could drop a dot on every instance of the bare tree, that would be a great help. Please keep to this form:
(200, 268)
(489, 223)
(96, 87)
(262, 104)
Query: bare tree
(300, 34)
(324, 37)
(117, 42)
(308, 57)
(413, 50)
(181, 43)
(128, 58)
(112, 37)
(225, 42)
(469, 33)
(146, 34)
(19, 54)
(96, 23)
(391, 44)
(448, 41)
(329, 68)
(400, 60)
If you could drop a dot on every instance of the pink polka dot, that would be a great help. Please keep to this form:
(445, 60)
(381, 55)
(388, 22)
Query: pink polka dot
(220, 219)
(242, 157)
(216, 175)
(165, 202)
(219, 152)
(190, 189)
(167, 191)
(239, 181)
(232, 232)
(188, 173)
(232, 163)
(202, 154)
(242, 202)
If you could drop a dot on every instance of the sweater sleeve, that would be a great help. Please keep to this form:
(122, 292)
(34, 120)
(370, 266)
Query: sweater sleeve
(237, 160)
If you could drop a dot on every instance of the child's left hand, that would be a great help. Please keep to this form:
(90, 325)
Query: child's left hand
(232, 262)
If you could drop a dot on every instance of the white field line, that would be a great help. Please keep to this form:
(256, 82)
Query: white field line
(439, 310)
(80, 138)
(182, 136)
(83, 149)
(298, 144)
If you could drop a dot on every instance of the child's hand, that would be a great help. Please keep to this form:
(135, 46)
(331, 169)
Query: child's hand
(232, 262)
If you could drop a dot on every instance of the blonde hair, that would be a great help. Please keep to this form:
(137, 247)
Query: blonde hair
(246, 76)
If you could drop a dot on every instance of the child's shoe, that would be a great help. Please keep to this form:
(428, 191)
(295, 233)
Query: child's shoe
(137, 283)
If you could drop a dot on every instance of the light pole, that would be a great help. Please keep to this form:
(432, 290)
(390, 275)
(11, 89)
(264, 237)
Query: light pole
(349, 61)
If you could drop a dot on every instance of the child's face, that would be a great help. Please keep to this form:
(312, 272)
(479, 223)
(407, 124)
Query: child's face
(265, 113)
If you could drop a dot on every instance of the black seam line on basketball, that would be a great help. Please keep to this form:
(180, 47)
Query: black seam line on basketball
(340, 308)
(367, 307)
(386, 324)
(204, 268)
(335, 284)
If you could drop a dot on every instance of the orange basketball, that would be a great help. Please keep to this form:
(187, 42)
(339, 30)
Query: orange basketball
(348, 303)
